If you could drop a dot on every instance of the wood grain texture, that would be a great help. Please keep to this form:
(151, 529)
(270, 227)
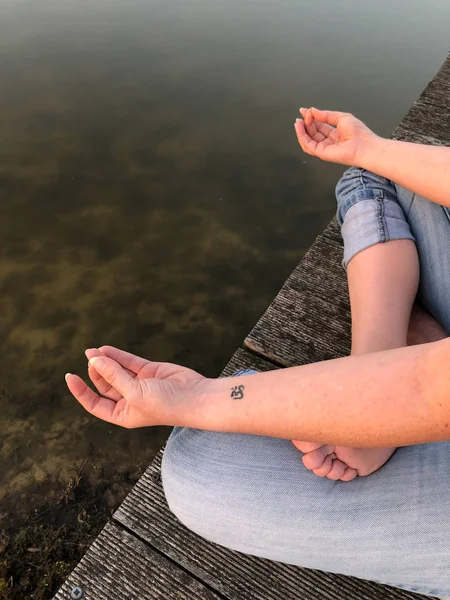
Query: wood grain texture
(118, 566)
(309, 320)
(428, 120)
(242, 359)
(333, 231)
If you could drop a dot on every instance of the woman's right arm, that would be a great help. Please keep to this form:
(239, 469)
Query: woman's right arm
(342, 138)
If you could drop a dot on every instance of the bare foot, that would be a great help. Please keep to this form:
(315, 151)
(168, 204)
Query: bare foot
(344, 463)
(340, 462)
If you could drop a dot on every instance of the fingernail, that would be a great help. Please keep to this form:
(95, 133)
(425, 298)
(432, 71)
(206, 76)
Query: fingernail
(97, 362)
(67, 375)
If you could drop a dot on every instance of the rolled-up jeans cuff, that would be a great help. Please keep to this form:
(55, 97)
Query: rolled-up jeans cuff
(240, 372)
(372, 221)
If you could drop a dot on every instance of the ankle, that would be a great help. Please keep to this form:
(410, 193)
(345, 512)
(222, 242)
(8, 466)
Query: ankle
(367, 346)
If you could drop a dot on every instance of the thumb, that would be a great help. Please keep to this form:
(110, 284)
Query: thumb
(114, 374)
(332, 117)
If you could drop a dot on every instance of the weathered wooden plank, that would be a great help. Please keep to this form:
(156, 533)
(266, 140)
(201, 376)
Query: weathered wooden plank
(118, 566)
(333, 231)
(242, 359)
(235, 576)
(309, 320)
(428, 120)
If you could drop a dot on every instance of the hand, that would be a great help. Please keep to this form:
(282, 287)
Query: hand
(334, 136)
(133, 392)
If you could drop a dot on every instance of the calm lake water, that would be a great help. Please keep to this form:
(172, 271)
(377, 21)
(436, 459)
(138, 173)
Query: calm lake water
(152, 193)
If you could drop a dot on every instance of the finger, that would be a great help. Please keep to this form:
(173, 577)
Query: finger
(303, 111)
(114, 374)
(332, 117)
(104, 388)
(91, 352)
(308, 145)
(315, 135)
(126, 359)
(92, 402)
(313, 128)
(313, 460)
(325, 129)
(310, 125)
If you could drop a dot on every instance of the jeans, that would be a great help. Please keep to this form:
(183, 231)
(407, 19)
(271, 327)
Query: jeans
(253, 494)
(373, 210)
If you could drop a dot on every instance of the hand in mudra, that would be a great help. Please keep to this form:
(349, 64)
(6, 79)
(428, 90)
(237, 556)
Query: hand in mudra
(334, 136)
(132, 392)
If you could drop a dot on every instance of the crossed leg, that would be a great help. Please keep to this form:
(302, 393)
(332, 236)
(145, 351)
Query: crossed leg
(383, 278)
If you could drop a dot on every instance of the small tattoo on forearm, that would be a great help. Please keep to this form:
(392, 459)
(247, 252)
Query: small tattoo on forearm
(237, 393)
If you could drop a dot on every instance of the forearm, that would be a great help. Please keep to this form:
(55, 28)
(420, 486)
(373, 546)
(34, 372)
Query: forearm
(394, 398)
(422, 169)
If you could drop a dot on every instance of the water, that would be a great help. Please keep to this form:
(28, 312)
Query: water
(152, 193)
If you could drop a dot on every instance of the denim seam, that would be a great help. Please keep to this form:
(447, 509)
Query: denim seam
(447, 212)
(382, 218)
(361, 178)
(406, 211)
(366, 194)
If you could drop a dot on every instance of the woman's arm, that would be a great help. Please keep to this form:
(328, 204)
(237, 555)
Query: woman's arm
(395, 398)
(422, 169)
(342, 138)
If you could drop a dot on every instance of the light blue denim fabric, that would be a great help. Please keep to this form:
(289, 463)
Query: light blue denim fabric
(253, 493)
(373, 210)
(368, 211)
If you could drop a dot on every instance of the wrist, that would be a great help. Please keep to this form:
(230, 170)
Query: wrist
(188, 407)
(370, 153)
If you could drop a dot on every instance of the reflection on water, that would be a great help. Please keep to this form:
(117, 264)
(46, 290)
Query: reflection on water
(152, 194)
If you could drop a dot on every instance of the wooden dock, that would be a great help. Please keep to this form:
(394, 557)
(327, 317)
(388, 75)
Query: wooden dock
(144, 553)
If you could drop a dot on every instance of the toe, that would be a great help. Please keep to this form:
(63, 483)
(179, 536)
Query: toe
(325, 467)
(313, 460)
(337, 470)
(349, 474)
(306, 446)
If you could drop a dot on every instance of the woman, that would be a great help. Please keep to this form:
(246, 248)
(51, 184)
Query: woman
(380, 407)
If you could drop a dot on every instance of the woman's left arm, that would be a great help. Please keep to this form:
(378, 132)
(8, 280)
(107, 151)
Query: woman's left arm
(342, 138)
(422, 169)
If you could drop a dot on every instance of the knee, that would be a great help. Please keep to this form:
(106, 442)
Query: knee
(357, 184)
(188, 480)
(177, 472)
(194, 468)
